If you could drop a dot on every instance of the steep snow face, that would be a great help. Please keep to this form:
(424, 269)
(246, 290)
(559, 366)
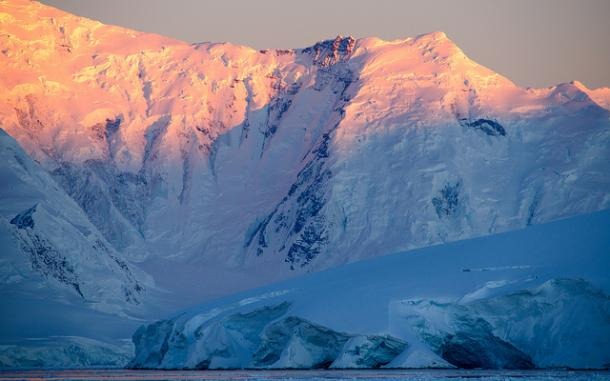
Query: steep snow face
(219, 159)
(53, 258)
(542, 322)
(263, 338)
(537, 297)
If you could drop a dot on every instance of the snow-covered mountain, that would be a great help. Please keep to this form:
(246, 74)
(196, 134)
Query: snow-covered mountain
(292, 159)
(57, 270)
(537, 297)
(213, 168)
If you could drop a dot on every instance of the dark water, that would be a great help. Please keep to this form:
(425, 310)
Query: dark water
(424, 375)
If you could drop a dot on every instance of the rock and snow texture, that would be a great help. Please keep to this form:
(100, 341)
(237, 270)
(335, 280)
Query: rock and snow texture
(50, 247)
(537, 297)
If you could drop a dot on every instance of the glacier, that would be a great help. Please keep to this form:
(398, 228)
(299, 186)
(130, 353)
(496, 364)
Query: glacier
(57, 352)
(560, 323)
(142, 175)
(532, 298)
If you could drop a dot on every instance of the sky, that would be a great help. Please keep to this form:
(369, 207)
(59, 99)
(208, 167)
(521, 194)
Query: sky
(535, 43)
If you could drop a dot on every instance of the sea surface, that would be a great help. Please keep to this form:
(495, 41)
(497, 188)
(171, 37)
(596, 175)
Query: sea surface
(423, 375)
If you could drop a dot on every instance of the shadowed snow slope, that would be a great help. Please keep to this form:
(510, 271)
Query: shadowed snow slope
(51, 253)
(536, 297)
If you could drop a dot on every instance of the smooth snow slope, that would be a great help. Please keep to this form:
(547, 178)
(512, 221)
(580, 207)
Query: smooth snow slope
(533, 297)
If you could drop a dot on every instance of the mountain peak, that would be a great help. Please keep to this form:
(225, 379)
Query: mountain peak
(579, 85)
(601, 95)
(436, 36)
(329, 52)
(439, 41)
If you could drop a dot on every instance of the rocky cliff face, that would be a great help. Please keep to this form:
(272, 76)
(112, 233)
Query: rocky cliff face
(215, 156)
